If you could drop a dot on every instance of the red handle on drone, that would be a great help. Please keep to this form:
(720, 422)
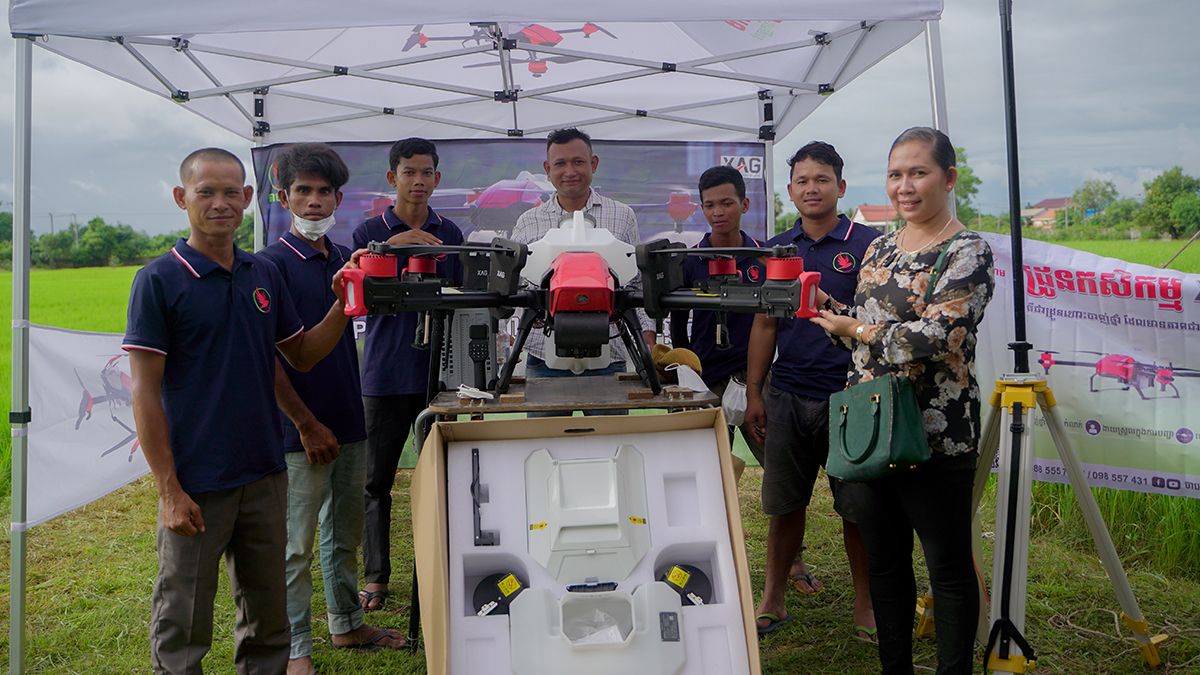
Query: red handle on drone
(810, 282)
(354, 282)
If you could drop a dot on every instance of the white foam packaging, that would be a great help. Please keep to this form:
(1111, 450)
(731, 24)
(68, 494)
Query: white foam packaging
(691, 515)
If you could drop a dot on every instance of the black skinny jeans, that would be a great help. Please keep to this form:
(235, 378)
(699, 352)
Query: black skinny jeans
(935, 500)
(389, 420)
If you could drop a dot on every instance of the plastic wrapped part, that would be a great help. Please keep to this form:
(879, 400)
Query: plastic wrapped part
(540, 644)
(592, 628)
(733, 402)
(587, 517)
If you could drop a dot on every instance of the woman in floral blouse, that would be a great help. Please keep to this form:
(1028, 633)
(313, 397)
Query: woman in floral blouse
(891, 329)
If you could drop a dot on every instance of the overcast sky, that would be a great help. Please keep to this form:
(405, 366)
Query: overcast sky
(1103, 91)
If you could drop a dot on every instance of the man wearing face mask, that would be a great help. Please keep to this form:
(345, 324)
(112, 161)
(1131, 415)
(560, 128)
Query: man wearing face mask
(323, 426)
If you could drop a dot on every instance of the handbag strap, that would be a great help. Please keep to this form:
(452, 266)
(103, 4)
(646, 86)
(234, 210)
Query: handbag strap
(939, 267)
(866, 451)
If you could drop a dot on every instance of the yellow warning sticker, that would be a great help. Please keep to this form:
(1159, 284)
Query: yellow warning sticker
(678, 577)
(508, 585)
(637, 520)
(540, 525)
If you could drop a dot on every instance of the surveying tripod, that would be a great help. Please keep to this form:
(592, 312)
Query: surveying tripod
(1009, 425)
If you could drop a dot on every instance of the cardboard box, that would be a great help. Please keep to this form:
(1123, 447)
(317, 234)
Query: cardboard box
(431, 521)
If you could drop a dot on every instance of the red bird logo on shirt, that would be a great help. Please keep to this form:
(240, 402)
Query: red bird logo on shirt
(262, 300)
(844, 262)
(753, 273)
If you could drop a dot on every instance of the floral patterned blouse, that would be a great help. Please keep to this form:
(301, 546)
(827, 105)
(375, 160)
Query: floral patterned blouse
(932, 344)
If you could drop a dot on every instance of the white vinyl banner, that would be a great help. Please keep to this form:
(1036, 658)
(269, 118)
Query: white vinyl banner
(1119, 344)
(82, 443)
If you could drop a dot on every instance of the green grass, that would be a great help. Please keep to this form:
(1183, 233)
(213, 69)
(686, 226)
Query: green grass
(90, 298)
(91, 572)
(1147, 252)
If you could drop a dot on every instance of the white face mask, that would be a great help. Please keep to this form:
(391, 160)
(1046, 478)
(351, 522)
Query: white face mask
(313, 230)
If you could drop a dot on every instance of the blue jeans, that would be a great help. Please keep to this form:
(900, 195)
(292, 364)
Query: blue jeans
(333, 495)
(538, 368)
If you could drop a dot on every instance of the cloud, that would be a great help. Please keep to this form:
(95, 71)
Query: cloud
(86, 186)
(1104, 89)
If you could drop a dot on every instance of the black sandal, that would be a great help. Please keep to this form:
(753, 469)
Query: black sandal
(365, 598)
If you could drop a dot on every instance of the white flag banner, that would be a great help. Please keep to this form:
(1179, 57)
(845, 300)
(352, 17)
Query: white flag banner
(82, 443)
(1119, 344)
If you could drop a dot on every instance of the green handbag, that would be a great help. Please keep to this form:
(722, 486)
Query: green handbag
(876, 427)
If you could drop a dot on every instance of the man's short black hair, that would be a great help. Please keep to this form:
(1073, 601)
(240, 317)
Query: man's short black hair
(313, 159)
(720, 175)
(818, 151)
(561, 136)
(410, 147)
(211, 155)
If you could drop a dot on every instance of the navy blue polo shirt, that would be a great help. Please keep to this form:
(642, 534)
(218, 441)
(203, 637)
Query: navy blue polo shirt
(331, 390)
(807, 362)
(391, 365)
(719, 364)
(218, 330)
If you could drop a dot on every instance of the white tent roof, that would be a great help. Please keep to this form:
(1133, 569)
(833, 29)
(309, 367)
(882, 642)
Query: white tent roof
(372, 69)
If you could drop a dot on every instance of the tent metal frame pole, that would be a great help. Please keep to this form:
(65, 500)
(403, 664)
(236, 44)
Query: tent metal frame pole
(766, 125)
(836, 80)
(20, 413)
(260, 225)
(937, 85)
(661, 67)
(213, 78)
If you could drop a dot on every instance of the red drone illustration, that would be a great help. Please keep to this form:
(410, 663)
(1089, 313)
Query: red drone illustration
(1126, 370)
(534, 34)
(118, 393)
(497, 206)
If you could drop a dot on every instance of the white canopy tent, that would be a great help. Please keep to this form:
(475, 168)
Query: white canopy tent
(298, 70)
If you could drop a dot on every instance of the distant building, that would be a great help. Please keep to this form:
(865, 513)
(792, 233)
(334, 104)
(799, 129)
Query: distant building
(1044, 214)
(881, 217)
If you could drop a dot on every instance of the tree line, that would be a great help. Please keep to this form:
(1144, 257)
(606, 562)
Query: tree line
(100, 244)
(1169, 208)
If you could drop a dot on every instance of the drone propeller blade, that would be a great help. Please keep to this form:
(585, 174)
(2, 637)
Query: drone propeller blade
(414, 39)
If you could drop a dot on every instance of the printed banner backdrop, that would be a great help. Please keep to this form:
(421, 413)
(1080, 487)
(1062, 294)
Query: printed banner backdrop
(82, 443)
(1120, 346)
(487, 184)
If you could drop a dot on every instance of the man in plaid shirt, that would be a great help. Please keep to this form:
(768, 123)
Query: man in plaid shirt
(570, 165)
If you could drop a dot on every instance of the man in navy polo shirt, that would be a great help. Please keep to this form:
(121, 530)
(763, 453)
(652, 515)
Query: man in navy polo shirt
(324, 437)
(793, 411)
(205, 322)
(723, 200)
(396, 373)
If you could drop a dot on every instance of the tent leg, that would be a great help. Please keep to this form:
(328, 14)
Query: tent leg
(769, 181)
(260, 225)
(937, 83)
(19, 417)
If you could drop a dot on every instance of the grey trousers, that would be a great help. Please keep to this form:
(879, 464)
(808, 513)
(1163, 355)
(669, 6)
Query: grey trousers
(248, 525)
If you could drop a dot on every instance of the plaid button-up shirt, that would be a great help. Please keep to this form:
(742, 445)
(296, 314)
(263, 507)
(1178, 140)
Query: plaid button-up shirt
(606, 213)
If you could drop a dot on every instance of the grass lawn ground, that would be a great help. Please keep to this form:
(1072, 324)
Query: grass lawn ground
(91, 571)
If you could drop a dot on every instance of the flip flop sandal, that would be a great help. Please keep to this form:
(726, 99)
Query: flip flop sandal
(775, 623)
(867, 635)
(806, 577)
(365, 598)
(373, 643)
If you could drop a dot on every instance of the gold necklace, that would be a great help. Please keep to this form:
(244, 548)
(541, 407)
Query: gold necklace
(933, 241)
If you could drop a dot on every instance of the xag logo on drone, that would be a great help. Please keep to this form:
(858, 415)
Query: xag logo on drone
(750, 166)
